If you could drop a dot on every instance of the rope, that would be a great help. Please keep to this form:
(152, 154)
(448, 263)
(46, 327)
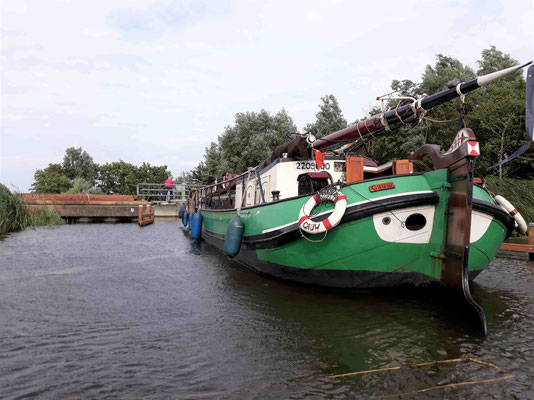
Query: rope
(397, 113)
(440, 121)
(368, 130)
(384, 122)
(385, 207)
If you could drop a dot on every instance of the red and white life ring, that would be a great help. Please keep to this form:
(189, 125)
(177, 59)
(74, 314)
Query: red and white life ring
(309, 226)
(511, 210)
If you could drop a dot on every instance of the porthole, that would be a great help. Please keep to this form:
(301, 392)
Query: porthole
(386, 220)
(415, 222)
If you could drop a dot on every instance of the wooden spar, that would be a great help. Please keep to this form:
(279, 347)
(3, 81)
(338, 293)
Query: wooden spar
(393, 119)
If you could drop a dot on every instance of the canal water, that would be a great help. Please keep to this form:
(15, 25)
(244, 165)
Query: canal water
(118, 311)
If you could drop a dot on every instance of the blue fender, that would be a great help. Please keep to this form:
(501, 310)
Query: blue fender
(234, 236)
(184, 218)
(181, 212)
(196, 226)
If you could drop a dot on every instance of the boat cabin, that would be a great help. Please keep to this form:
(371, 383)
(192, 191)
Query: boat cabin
(288, 177)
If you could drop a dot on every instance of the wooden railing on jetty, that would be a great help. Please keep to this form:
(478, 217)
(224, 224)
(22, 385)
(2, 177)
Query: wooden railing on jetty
(523, 248)
(95, 207)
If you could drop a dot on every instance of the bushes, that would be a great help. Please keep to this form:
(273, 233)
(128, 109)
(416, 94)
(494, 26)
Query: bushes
(15, 215)
(519, 192)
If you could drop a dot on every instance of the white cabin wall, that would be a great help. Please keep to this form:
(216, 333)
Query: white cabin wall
(284, 175)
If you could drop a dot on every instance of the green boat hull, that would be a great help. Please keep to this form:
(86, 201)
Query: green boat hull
(372, 246)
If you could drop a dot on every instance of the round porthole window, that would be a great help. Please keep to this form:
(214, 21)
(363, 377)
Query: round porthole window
(415, 222)
(386, 220)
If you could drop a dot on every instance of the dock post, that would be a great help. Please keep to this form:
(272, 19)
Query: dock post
(531, 240)
(146, 214)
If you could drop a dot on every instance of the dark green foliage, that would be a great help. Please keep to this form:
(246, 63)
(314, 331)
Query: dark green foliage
(77, 163)
(247, 143)
(120, 177)
(495, 113)
(15, 215)
(79, 174)
(80, 185)
(519, 192)
(329, 118)
(51, 180)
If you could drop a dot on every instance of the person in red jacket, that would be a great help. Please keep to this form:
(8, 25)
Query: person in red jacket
(169, 186)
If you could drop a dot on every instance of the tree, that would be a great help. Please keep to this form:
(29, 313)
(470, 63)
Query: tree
(120, 177)
(500, 116)
(147, 173)
(80, 185)
(51, 180)
(252, 139)
(77, 163)
(329, 118)
(495, 113)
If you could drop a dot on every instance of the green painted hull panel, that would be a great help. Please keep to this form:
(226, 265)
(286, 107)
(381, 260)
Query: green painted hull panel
(272, 241)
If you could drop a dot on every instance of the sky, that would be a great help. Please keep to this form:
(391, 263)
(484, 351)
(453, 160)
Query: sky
(156, 80)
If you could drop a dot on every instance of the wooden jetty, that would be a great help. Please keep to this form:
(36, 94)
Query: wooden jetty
(523, 248)
(95, 207)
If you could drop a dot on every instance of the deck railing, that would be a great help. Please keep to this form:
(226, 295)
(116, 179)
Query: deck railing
(158, 193)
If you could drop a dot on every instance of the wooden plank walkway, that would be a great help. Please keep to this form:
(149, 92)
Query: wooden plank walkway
(522, 248)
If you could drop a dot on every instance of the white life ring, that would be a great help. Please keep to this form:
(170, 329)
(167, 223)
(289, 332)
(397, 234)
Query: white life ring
(309, 226)
(511, 210)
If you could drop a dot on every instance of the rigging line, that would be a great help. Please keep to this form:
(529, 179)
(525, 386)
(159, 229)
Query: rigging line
(444, 121)
(383, 205)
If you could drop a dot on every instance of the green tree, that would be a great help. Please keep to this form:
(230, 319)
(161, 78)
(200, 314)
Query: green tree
(329, 118)
(118, 177)
(500, 118)
(77, 163)
(147, 173)
(495, 113)
(51, 180)
(250, 140)
(80, 185)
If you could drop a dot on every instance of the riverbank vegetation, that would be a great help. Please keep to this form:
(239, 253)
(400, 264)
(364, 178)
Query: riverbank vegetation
(519, 192)
(80, 174)
(15, 214)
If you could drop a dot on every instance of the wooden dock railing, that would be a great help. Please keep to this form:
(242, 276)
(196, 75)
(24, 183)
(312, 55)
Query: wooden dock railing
(523, 248)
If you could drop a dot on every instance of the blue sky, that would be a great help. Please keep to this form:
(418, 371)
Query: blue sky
(157, 81)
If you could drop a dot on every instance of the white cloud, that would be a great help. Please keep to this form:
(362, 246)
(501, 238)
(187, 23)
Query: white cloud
(159, 80)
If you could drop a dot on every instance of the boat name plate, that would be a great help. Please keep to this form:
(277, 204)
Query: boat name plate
(382, 186)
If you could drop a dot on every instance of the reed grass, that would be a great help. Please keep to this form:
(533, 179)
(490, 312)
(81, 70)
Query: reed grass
(519, 192)
(15, 214)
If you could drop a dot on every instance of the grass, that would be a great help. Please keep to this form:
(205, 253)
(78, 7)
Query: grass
(15, 214)
(519, 192)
